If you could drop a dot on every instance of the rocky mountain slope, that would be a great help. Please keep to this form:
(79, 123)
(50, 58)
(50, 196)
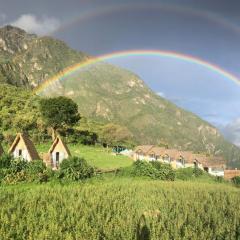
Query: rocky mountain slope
(106, 93)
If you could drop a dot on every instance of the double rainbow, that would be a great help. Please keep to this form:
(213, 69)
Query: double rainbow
(122, 54)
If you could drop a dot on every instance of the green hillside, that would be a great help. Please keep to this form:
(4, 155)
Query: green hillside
(107, 93)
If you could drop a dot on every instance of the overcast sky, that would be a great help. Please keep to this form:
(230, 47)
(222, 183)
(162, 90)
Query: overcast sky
(207, 29)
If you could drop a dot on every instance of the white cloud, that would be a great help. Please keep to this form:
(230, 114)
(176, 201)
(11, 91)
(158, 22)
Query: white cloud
(32, 24)
(232, 132)
(161, 94)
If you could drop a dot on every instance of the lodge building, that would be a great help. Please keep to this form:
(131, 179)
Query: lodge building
(180, 159)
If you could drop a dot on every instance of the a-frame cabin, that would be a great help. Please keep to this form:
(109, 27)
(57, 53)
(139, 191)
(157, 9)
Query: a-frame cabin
(24, 148)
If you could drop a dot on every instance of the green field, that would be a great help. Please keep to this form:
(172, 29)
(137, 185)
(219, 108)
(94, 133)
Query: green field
(117, 206)
(96, 156)
(112, 209)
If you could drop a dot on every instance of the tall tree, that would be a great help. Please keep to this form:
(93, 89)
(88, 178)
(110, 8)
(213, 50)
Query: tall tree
(59, 113)
(113, 134)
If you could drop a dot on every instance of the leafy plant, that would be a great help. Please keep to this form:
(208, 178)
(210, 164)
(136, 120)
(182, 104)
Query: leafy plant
(154, 170)
(75, 169)
(5, 161)
(165, 171)
(236, 180)
(197, 172)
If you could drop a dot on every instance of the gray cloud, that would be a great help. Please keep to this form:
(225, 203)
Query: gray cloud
(232, 131)
(33, 24)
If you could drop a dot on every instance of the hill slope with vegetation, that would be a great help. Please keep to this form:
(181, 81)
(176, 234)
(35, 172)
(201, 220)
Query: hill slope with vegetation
(105, 93)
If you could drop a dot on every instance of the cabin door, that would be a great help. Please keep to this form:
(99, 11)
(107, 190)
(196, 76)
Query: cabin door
(57, 159)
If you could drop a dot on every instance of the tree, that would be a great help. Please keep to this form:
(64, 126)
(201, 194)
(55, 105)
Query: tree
(59, 113)
(113, 134)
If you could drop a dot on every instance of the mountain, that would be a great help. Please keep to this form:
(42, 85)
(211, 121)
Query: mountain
(107, 93)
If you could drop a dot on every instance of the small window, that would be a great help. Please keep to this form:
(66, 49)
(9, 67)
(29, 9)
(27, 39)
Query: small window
(20, 152)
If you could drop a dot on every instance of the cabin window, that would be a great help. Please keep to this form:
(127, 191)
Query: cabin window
(152, 156)
(20, 152)
(167, 158)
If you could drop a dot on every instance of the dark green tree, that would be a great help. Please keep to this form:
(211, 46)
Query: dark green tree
(114, 134)
(59, 113)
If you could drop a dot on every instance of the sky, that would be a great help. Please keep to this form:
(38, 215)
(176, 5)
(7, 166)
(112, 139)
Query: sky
(206, 29)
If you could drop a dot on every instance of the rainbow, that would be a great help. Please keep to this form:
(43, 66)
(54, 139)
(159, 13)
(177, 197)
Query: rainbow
(134, 53)
(134, 7)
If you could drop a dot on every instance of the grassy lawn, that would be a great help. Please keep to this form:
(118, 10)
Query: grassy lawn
(96, 156)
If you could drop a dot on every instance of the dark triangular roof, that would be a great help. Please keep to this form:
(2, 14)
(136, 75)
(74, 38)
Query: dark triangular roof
(56, 141)
(28, 143)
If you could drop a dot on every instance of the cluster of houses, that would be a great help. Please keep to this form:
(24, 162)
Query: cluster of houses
(182, 159)
(23, 147)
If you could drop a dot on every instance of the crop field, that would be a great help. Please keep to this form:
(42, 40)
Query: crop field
(120, 208)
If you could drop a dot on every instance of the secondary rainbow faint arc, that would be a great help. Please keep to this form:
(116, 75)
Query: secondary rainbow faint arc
(103, 11)
(134, 53)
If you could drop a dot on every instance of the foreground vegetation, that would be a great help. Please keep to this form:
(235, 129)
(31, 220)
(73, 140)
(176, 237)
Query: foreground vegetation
(107, 209)
(77, 202)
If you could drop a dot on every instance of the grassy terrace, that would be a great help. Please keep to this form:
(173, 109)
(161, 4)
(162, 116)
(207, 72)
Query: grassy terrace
(96, 156)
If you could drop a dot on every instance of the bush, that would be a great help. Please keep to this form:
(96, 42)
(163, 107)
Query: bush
(23, 171)
(36, 171)
(35, 167)
(5, 161)
(154, 170)
(144, 169)
(236, 180)
(75, 169)
(18, 165)
(198, 172)
(165, 171)
(3, 173)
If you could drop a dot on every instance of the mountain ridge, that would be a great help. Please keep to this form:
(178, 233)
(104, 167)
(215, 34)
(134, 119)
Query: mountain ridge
(106, 93)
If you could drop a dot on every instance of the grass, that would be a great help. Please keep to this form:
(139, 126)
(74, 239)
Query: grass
(113, 209)
(95, 155)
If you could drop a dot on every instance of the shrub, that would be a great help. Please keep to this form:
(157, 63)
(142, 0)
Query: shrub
(13, 178)
(5, 161)
(18, 165)
(75, 168)
(3, 173)
(36, 171)
(144, 169)
(35, 167)
(23, 171)
(236, 180)
(165, 171)
(198, 172)
(154, 170)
